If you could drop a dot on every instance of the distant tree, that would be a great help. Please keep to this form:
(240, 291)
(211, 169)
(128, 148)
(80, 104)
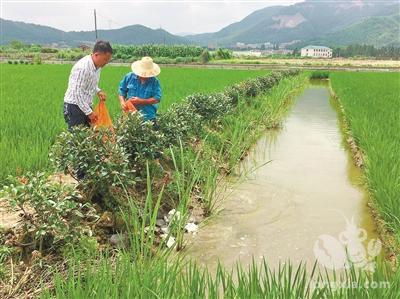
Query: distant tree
(205, 56)
(16, 44)
(224, 54)
(387, 52)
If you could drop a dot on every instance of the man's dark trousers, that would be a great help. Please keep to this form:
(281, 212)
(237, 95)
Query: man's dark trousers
(75, 117)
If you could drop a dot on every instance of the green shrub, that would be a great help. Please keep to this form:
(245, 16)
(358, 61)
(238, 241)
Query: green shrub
(51, 212)
(178, 123)
(164, 60)
(205, 56)
(139, 139)
(49, 50)
(103, 161)
(180, 60)
(233, 92)
(250, 88)
(223, 54)
(319, 75)
(210, 106)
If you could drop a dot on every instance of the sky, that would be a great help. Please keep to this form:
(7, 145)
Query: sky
(175, 16)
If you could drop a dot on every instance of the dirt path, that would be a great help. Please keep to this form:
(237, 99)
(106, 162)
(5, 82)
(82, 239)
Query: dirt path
(8, 217)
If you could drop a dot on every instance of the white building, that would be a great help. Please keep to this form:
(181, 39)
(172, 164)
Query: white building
(316, 51)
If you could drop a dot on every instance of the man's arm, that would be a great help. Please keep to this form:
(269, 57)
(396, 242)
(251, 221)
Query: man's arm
(101, 94)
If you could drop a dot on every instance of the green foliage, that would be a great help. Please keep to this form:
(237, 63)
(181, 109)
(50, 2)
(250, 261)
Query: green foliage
(233, 92)
(179, 123)
(376, 36)
(70, 54)
(138, 139)
(250, 88)
(121, 51)
(205, 56)
(5, 253)
(372, 111)
(15, 44)
(223, 54)
(86, 246)
(319, 75)
(104, 163)
(210, 107)
(362, 50)
(160, 278)
(164, 60)
(48, 50)
(51, 212)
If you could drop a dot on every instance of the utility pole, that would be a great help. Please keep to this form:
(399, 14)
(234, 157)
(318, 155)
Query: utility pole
(95, 23)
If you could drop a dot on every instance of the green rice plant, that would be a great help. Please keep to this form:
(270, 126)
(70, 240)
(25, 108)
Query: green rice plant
(167, 277)
(371, 104)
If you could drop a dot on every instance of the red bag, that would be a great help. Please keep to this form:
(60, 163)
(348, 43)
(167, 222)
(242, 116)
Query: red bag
(103, 117)
(129, 107)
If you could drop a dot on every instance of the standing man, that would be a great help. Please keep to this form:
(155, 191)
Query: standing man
(142, 88)
(83, 85)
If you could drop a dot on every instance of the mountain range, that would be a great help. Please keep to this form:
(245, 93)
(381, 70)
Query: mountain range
(332, 23)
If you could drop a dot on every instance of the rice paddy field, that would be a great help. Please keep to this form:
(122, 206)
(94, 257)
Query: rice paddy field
(371, 103)
(218, 132)
(31, 103)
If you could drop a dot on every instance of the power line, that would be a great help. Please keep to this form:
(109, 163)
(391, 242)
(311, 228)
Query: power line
(109, 20)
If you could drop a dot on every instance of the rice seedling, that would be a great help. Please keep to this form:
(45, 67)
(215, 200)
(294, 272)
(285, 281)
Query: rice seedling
(371, 104)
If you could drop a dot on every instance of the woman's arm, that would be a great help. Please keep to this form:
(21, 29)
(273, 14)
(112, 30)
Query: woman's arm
(139, 101)
(122, 101)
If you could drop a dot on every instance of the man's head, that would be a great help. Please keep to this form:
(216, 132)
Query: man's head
(102, 53)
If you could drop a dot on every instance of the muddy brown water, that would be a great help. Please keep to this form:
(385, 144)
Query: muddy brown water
(298, 202)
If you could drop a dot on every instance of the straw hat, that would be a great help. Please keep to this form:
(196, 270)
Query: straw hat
(145, 68)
